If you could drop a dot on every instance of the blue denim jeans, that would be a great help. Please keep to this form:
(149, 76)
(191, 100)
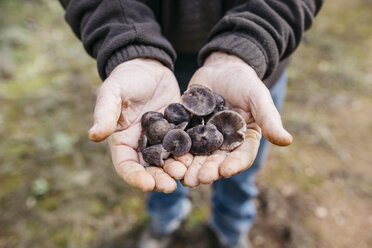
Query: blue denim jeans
(233, 210)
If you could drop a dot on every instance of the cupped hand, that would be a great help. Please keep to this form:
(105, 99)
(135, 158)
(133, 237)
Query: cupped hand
(245, 93)
(133, 88)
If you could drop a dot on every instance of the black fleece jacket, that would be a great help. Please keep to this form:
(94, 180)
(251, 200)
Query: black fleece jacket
(261, 32)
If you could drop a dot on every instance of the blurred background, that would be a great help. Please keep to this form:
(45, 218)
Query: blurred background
(58, 189)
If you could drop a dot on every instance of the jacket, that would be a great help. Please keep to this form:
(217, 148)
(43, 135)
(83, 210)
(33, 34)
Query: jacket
(264, 33)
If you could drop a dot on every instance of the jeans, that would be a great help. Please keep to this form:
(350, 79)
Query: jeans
(233, 210)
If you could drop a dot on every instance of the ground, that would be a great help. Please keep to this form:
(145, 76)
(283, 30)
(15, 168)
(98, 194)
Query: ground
(58, 189)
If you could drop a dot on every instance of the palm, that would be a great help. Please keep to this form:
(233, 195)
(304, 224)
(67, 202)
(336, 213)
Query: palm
(228, 82)
(132, 89)
(245, 93)
(144, 90)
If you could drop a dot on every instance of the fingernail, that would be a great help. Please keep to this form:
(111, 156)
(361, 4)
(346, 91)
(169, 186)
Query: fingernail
(92, 132)
(93, 128)
(289, 136)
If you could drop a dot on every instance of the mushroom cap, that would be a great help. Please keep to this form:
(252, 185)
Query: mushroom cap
(217, 109)
(182, 125)
(177, 142)
(150, 117)
(172, 125)
(142, 142)
(232, 126)
(219, 99)
(176, 113)
(205, 139)
(156, 131)
(155, 155)
(196, 121)
(220, 108)
(199, 100)
(166, 154)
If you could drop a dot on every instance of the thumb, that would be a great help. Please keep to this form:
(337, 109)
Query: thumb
(267, 116)
(106, 112)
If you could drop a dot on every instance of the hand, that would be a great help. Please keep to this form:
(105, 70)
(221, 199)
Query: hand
(245, 93)
(133, 88)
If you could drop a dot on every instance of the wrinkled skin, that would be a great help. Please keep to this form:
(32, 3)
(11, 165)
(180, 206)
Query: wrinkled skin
(245, 93)
(142, 85)
(133, 88)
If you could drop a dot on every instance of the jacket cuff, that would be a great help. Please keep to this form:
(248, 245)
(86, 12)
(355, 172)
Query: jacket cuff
(240, 46)
(132, 52)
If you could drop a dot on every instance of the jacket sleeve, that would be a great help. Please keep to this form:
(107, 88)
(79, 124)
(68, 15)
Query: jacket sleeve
(262, 32)
(114, 31)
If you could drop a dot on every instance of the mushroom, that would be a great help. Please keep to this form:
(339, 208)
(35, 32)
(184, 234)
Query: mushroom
(219, 99)
(155, 155)
(150, 117)
(205, 139)
(176, 113)
(177, 142)
(156, 130)
(199, 100)
(232, 126)
(195, 121)
(219, 108)
(220, 104)
(172, 125)
(142, 142)
(182, 126)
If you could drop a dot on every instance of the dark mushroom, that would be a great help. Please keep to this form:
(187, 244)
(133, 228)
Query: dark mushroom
(172, 125)
(150, 117)
(142, 142)
(166, 154)
(182, 126)
(232, 126)
(220, 105)
(156, 130)
(199, 100)
(155, 155)
(177, 142)
(196, 121)
(219, 99)
(217, 109)
(205, 139)
(176, 113)
(220, 108)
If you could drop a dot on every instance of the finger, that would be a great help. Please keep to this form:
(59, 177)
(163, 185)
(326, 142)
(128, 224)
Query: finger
(185, 159)
(209, 171)
(125, 160)
(128, 137)
(106, 112)
(136, 175)
(163, 182)
(174, 168)
(267, 116)
(191, 177)
(243, 156)
(182, 181)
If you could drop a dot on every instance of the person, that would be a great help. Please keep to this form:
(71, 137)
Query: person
(239, 49)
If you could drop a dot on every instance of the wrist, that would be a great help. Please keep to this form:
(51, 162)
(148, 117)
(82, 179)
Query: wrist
(219, 58)
(132, 52)
(224, 60)
(142, 63)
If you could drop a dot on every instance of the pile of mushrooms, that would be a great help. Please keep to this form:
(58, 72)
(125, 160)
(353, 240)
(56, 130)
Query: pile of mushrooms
(200, 124)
